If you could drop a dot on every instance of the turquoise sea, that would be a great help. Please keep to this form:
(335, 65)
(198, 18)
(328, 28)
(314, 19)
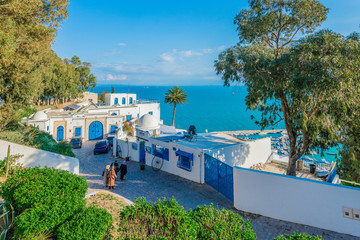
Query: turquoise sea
(215, 108)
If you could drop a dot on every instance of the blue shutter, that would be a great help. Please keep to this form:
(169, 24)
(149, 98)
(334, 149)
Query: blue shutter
(78, 132)
(131, 100)
(112, 129)
(123, 100)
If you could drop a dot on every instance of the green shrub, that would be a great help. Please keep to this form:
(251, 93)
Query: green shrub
(296, 236)
(92, 224)
(32, 137)
(221, 224)
(166, 219)
(45, 218)
(34, 187)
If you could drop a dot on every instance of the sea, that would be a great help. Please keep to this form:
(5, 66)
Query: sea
(211, 108)
(208, 108)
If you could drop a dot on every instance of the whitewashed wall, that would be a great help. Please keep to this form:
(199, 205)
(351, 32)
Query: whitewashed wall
(36, 157)
(150, 107)
(197, 173)
(296, 200)
(244, 154)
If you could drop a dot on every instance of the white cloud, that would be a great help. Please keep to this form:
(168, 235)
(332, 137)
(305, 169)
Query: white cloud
(122, 44)
(111, 77)
(114, 52)
(189, 53)
(167, 57)
(212, 50)
(210, 77)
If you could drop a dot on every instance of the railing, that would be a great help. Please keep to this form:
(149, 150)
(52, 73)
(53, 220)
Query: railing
(146, 101)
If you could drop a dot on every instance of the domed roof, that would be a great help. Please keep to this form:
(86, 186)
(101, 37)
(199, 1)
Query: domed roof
(148, 121)
(39, 116)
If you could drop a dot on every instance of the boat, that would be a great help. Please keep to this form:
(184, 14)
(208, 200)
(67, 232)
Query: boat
(331, 153)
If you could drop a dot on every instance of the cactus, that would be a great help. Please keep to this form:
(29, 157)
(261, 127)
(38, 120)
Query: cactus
(8, 161)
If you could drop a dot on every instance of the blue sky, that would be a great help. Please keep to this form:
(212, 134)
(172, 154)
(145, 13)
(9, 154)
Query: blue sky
(164, 42)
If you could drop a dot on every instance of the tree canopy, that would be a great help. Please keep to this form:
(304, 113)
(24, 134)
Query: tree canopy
(306, 83)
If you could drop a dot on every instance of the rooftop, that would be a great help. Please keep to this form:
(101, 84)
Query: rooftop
(203, 140)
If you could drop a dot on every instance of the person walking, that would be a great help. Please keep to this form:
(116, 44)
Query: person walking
(105, 174)
(111, 178)
(123, 170)
(116, 166)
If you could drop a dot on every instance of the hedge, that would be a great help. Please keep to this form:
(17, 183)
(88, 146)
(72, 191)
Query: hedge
(37, 187)
(47, 200)
(91, 223)
(166, 219)
(296, 236)
(221, 224)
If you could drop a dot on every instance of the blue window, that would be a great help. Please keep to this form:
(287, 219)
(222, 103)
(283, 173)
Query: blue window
(134, 146)
(123, 100)
(47, 128)
(131, 100)
(113, 114)
(151, 113)
(185, 160)
(116, 101)
(160, 152)
(78, 132)
(128, 117)
(123, 128)
(112, 129)
(138, 115)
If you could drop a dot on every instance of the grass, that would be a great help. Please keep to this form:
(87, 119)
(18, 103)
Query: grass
(350, 184)
(113, 205)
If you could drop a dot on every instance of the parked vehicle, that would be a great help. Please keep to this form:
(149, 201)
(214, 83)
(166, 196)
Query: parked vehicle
(76, 142)
(102, 147)
(110, 140)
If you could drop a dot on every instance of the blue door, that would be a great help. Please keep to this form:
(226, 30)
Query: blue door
(123, 100)
(142, 152)
(95, 130)
(131, 100)
(60, 133)
(116, 101)
(112, 128)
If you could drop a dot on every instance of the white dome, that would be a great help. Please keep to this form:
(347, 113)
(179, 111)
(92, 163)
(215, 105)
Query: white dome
(39, 116)
(148, 121)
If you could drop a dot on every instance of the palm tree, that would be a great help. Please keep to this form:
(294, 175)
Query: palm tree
(175, 96)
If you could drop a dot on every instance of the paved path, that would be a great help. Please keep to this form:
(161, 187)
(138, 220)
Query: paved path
(154, 185)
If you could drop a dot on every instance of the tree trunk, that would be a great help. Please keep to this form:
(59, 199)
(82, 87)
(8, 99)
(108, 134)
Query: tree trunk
(173, 120)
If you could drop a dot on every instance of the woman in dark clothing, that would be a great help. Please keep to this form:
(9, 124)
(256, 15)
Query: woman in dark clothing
(123, 170)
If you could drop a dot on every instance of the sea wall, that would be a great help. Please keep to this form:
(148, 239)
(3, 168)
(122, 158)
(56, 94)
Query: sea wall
(297, 200)
(36, 157)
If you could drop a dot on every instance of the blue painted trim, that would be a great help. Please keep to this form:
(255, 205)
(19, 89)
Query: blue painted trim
(297, 178)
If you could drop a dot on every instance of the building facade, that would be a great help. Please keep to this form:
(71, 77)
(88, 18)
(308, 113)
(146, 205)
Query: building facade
(93, 122)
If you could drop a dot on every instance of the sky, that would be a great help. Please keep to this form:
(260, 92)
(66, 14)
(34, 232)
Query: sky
(164, 42)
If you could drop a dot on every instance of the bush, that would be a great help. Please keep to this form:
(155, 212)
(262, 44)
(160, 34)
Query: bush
(92, 224)
(32, 137)
(296, 236)
(165, 220)
(221, 224)
(45, 218)
(34, 187)
(168, 220)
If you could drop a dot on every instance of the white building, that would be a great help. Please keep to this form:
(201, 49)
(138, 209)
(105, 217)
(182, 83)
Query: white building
(90, 121)
(184, 156)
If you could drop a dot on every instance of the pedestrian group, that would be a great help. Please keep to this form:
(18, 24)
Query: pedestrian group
(111, 172)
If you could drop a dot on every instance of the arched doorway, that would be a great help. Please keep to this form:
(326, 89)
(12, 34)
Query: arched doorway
(95, 130)
(60, 133)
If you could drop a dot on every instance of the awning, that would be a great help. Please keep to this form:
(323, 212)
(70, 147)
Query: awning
(186, 154)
